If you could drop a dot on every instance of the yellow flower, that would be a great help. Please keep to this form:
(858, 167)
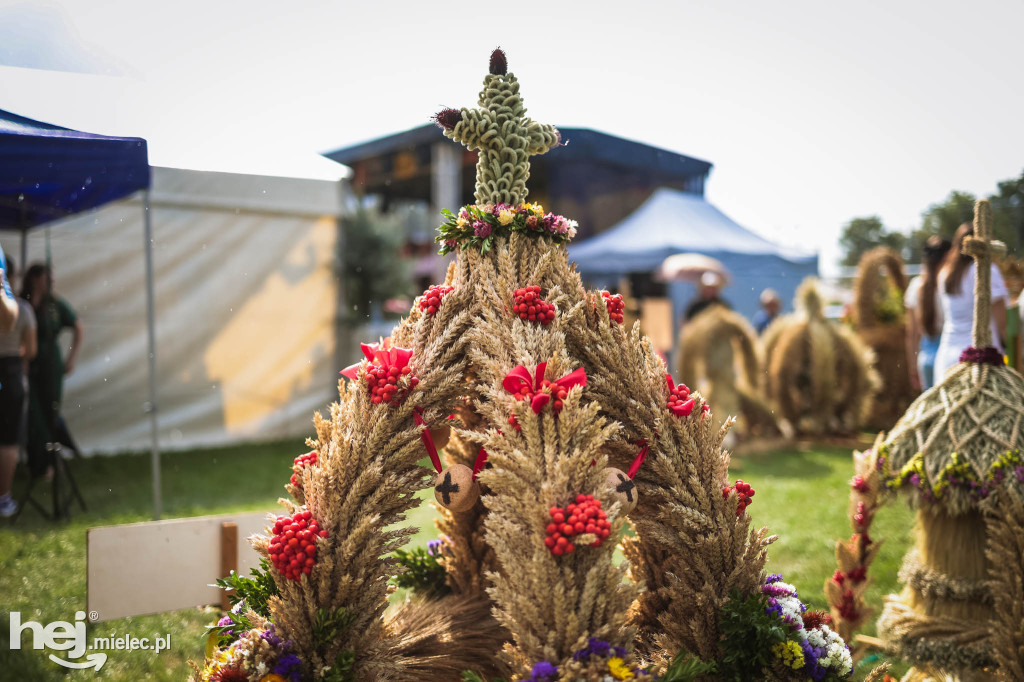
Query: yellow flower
(505, 216)
(462, 222)
(537, 209)
(618, 669)
(272, 677)
(790, 653)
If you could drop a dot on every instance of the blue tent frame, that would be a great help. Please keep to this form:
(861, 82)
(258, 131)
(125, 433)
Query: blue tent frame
(48, 172)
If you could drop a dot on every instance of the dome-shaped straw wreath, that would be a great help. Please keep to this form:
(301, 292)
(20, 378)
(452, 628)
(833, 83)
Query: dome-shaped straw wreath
(956, 450)
(817, 374)
(880, 321)
(560, 422)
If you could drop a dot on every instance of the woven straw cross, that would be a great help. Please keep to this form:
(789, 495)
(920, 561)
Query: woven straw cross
(981, 247)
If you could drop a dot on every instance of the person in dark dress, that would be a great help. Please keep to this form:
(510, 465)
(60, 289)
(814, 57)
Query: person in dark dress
(47, 370)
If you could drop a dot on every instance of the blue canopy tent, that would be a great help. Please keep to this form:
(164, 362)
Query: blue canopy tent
(48, 172)
(671, 222)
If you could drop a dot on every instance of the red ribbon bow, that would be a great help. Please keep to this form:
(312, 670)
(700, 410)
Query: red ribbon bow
(383, 354)
(520, 378)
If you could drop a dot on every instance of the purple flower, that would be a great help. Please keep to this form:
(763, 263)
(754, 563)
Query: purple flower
(289, 667)
(481, 229)
(773, 607)
(464, 214)
(543, 672)
(773, 578)
(915, 480)
(598, 647)
(773, 590)
(434, 548)
(226, 620)
(1019, 473)
(271, 637)
(811, 656)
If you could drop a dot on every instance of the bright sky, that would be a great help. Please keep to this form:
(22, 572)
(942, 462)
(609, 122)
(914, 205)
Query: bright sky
(813, 113)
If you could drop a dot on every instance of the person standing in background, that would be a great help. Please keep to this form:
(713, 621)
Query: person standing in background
(8, 305)
(17, 347)
(924, 318)
(956, 290)
(47, 370)
(709, 293)
(771, 305)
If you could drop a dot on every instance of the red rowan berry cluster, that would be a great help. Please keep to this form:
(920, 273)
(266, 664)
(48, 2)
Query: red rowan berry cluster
(530, 306)
(744, 491)
(389, 384)
(679, 401)
(585, 516)
(300, 463)
(615, 306)
(860, 519)
(293, 546)
(557, 393)
(432, 297)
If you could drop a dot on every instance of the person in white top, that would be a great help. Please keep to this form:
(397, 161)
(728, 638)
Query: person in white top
(956, 291)
(925, 314)
(17, 347)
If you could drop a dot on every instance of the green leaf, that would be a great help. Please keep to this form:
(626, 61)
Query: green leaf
(685, 668)
(255, 591)
(329, 625)
(423, 574)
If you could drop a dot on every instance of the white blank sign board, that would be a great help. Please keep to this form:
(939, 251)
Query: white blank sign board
(142, 568)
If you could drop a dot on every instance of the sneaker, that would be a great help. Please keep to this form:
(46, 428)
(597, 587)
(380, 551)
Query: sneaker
(8, 507)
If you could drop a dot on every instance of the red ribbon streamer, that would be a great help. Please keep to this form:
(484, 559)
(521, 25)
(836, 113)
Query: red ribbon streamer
(478, 465)
(639, 459)
(428, 442)
(520, 377)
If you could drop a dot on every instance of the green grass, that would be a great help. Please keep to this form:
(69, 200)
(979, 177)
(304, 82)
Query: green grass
(801, 496)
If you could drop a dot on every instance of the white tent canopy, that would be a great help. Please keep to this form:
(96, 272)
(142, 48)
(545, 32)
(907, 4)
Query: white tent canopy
(672, 222)
(246, 302)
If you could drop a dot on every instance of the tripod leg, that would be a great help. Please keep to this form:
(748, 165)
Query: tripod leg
(74, 487)
(28, 499)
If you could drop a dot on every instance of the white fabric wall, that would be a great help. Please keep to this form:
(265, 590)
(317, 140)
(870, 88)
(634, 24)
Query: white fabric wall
(246, 299)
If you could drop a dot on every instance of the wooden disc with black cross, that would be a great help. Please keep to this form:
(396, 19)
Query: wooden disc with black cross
(622, 488)
(455, 489)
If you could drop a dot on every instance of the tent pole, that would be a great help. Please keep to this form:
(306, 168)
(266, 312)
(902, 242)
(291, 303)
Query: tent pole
(151, 334)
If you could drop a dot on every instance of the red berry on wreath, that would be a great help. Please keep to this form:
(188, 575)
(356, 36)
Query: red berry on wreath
(679, 401)
(293, 544)
(614, 305)
(531, 307)
(744, 491)
(431, 299)
(300, 463)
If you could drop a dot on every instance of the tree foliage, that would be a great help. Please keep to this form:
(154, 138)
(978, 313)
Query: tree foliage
(942, 218)
(862, 234)
(372, 270)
